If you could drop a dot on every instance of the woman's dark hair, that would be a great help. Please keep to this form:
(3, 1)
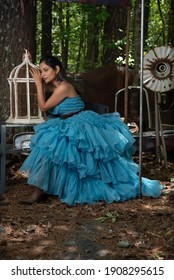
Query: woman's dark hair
(53, 61)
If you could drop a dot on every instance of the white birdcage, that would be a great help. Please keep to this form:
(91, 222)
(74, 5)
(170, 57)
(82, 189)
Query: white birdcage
(23, 94)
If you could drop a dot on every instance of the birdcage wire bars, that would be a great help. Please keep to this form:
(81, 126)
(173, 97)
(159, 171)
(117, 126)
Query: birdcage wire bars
(23, 94)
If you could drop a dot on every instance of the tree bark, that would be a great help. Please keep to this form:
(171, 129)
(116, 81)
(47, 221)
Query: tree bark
(64, 24)
(146, 21)
(137, 40)
(46, 27)
(171, 20)
(114, 30)
(92, 40)
(17, 32)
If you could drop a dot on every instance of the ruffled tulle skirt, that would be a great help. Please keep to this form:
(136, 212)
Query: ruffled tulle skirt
(84, 159)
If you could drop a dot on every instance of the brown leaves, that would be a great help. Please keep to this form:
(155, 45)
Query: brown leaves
(52, 230)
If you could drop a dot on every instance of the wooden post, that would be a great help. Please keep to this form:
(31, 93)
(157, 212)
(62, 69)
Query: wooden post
(127, 66)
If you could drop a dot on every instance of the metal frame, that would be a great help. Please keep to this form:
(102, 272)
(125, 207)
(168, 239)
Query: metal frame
(147, 101)
(141, 97)
(2, 158)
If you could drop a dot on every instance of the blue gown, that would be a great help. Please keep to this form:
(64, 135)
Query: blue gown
(85, 158)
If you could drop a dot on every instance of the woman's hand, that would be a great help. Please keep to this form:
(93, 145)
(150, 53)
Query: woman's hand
(36, 74)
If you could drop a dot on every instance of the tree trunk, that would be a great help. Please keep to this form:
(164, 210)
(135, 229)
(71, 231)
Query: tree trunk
(171, 20)
(63, 24)
(146, 21)
(81, 42)
(114, 30)
(92, 40)
(66, 40)
(46, 27)
(18, 23)
(163, 35)
(137, 40)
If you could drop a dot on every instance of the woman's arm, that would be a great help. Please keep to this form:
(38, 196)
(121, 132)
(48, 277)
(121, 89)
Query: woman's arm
(59, 94)
(62, 91)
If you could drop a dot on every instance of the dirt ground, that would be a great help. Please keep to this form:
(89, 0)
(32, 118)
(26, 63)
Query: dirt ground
(140, 228)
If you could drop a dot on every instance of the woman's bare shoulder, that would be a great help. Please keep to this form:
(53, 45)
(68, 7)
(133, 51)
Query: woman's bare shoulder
(65, 84)
(67, 87)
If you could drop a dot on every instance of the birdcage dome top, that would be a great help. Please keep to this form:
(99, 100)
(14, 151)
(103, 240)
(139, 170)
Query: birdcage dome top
(21, 72)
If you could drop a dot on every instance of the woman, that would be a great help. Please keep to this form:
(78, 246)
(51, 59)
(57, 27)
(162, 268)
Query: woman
(79, 155)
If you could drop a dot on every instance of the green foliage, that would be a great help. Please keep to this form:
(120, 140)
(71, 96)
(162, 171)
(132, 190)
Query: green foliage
(158, 23)
(113, 217)
(86, 23)
(81, 17)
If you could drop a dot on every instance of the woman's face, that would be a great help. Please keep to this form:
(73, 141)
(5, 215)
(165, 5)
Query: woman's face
(48, 73)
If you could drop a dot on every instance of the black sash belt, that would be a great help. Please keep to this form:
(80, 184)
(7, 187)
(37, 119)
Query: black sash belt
(69, 115)
(64, 116)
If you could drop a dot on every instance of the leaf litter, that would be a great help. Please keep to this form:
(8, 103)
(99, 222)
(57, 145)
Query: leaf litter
(140, 228)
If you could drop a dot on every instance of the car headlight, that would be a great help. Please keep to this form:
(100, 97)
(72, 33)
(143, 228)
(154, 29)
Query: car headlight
(21, 141)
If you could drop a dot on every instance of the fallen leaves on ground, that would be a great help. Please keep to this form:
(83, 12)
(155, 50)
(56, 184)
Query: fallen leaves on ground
(140, 228)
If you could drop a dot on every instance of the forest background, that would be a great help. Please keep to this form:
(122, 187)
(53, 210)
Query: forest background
(83, 36)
